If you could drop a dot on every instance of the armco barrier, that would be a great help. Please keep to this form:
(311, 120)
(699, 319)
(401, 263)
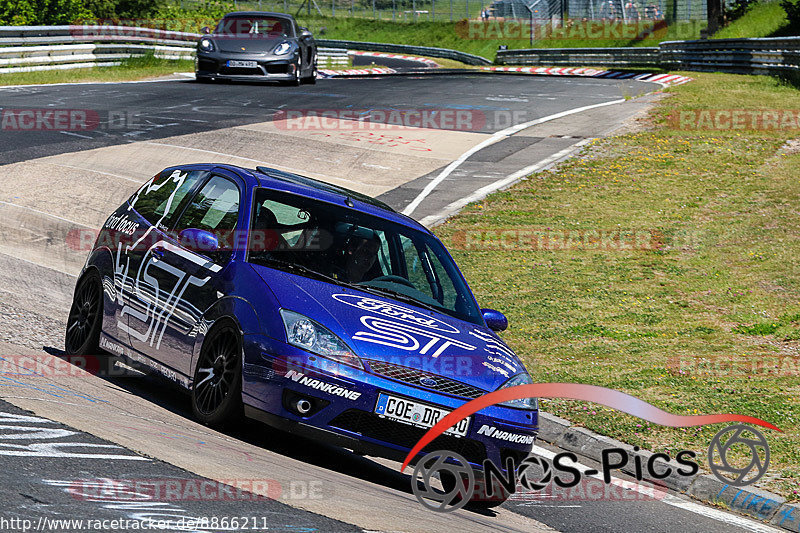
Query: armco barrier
(443, 53)
(33, 48)
(738, 56)
(572, 57)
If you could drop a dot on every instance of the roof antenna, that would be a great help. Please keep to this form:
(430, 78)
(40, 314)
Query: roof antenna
(348, 202)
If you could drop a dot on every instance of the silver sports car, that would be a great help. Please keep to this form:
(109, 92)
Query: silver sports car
(258, 46)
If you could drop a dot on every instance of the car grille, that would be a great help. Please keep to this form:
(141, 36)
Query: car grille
(413, 376)
(373, 426)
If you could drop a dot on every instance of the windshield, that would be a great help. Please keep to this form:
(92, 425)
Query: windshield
(318, 239)
(267, 27)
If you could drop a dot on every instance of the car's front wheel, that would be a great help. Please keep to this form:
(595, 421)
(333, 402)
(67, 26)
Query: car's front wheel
(217, 386)
(85, 316)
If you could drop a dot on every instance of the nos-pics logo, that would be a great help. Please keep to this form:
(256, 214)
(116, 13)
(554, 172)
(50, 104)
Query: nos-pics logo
(444, 481)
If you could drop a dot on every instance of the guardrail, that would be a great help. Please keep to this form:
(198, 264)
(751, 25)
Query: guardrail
(570, 57)
(443, 53)
(739, 56)
(34, 48)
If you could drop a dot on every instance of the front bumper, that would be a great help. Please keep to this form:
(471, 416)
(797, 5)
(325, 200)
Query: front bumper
(268, 68)
(342, 412)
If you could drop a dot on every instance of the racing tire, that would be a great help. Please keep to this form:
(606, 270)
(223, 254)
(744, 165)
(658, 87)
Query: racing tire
(217, 384)
(85, 317)
(297, 80)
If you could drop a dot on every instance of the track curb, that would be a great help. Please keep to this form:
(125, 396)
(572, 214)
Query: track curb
(750, 501)
(663, 79)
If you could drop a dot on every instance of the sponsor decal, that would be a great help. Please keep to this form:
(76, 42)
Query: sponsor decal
(493, 432)
(122, 224)
(398, 335)
(328, 388)
(398, 312)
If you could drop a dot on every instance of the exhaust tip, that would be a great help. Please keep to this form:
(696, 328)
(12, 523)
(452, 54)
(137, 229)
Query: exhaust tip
(302, 406)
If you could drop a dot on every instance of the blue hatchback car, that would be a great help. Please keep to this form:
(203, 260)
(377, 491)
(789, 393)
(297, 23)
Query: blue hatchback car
(310, 307)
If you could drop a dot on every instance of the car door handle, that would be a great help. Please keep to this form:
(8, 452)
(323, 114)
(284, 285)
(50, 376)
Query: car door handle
(157, 253)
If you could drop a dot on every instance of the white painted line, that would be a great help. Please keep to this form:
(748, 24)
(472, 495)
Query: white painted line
(76, 135)
(410, 208)
(45, 214)
(94, 171)
(287, 169)
(674, 501)
(85, 83)
(501, 183)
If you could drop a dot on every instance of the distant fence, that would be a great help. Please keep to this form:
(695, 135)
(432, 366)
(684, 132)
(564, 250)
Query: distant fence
(738, 56)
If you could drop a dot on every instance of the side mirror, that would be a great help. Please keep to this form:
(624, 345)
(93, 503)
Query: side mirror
(199, 240)
(305, 33)
(495, 320)
(206, 30)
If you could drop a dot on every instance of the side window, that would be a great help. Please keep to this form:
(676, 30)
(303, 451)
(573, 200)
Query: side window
(414, 266)
(158, 199)
(214, 208)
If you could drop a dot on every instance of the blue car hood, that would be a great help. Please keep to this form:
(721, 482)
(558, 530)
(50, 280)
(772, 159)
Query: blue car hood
(379, 328)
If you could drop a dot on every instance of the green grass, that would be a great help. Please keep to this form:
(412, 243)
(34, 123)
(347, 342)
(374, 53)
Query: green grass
(135, 68)
(451, 35)
(762, 20)
(720, 282)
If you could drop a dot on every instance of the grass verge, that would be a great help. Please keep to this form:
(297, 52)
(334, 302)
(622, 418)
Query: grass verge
(135, 68)
(705, 318)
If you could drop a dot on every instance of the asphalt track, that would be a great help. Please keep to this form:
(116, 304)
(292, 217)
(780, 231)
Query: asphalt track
(53, 182)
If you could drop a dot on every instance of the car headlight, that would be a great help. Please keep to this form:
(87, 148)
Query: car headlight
(282, 49)
(523, 403)
(309, 335)
(206, 45)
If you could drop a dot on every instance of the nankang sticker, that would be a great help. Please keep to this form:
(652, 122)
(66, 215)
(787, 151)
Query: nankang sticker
(493, 432)
(321, 386)
(397, 312)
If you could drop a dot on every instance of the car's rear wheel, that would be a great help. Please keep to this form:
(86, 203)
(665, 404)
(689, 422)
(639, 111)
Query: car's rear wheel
(217, 386)
(85, 316)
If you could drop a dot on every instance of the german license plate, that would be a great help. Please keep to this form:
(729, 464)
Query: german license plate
(417, 414)
(233, 63)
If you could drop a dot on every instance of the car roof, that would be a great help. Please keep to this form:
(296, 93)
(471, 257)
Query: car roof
(303, 185)
(257, 13)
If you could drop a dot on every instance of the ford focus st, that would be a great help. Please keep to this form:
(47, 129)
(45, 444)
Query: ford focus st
(307, 306)
(257, 46)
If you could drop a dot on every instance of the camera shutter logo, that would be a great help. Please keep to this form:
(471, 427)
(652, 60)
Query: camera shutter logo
(457, 490)
(528, 477)
(738, 436)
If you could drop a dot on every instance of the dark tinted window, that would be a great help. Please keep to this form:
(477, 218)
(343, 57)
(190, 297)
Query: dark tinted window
(338, 244)
(214, 208)
(158, 199)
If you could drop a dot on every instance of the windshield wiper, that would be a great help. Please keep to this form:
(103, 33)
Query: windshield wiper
(300, 269)
(389, 293)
